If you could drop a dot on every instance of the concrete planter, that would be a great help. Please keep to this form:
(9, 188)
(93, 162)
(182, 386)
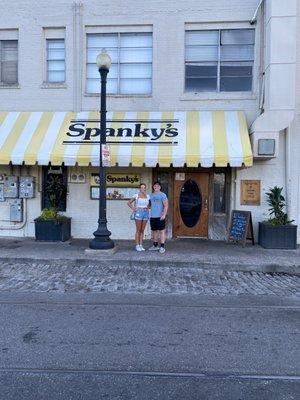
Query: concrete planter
(277, 236)
(53, 230)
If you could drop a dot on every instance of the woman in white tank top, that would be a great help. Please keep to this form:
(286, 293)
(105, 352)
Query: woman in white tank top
(140, 205)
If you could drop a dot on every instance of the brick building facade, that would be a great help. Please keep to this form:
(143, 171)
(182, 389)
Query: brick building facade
(193, 56)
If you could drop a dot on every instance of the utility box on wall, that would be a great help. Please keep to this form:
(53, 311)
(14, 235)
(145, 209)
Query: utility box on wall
(27, 187)
(16, 210)
(11, 189)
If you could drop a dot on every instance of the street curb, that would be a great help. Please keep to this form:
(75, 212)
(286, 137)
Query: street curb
(269, 268)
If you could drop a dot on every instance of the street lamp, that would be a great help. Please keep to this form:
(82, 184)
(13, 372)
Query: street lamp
(102, 240)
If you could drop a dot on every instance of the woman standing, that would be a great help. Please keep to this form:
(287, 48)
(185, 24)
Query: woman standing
(140, 206)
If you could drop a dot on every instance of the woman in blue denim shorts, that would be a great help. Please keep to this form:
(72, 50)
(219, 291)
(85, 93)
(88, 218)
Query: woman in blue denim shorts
(140, 205)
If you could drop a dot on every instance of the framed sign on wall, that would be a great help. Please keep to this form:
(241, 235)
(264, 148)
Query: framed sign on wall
(118, 180)
(250, 192)
(118, 186)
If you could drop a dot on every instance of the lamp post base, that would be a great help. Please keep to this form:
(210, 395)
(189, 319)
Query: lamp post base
(101, 252)
(101, 240)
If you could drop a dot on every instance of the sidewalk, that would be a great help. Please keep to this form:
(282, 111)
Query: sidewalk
(181, 253)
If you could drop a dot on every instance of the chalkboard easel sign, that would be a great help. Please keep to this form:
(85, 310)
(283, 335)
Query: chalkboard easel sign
(240, 227)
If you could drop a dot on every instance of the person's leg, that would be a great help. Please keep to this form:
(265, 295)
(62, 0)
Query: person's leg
(143, 226)
(162, 235)
(155, 241)
(144, 223)
(153, 223)
(138, 224)
(155, 237)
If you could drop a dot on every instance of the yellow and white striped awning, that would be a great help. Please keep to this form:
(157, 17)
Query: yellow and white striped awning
(195, 138)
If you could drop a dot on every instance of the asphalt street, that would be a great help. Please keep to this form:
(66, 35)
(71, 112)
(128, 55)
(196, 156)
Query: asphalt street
(117, 346)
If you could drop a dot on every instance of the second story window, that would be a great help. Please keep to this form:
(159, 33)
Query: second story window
(219, 60)
(8, 62)
(56, 65)
(131, 68)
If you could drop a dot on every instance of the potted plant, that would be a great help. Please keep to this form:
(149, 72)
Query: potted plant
(51, 225)
(277, 232)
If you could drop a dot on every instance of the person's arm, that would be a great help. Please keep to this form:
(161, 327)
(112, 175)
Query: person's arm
(165, 210)
(130, 204)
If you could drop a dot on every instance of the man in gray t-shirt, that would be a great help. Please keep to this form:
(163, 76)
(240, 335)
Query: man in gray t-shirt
(158, 212)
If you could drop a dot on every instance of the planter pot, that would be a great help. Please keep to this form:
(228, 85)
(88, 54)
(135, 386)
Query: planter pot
(53, 230)
(277, 236)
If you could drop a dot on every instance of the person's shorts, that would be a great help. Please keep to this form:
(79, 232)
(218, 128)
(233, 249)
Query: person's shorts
(141, 214)
(157, 224)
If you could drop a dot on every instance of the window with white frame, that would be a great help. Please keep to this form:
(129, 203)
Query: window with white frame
(56, 63)
(8, 62)
(219, 60)
(131, 68)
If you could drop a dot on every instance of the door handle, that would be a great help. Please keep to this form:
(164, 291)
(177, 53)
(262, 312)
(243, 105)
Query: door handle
(206, 203)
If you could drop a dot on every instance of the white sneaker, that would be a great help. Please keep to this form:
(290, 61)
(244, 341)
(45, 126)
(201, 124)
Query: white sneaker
(142, 248)
(153, 248)
(138, 248)
(162, 250)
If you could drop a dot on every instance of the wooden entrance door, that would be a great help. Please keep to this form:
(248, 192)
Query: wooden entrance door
(190, 210)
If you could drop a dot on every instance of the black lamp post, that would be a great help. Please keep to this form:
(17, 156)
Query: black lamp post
(102, 240)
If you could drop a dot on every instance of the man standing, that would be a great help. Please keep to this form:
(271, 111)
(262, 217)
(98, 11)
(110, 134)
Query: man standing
(158, 213)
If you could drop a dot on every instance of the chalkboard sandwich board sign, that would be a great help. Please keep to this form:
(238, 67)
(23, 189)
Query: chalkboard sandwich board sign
(240, 227)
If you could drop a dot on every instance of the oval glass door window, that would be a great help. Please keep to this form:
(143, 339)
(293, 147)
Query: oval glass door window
(190, 203)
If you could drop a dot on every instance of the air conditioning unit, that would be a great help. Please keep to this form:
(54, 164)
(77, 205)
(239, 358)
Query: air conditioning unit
(264, 145)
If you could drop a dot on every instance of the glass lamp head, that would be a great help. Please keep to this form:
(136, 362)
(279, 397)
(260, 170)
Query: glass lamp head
(103, 60)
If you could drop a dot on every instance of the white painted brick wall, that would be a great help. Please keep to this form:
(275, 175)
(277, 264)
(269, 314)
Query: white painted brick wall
(85, 211)
(80, 207)
(168, 19)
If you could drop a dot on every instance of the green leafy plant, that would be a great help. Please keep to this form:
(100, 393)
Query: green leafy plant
(51, 214)
(276, 201)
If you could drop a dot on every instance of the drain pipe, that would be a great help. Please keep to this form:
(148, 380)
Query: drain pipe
(288, 170)
(254, 18)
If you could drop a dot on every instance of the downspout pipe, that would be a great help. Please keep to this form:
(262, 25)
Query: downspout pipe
(288, 171)
(254, 18)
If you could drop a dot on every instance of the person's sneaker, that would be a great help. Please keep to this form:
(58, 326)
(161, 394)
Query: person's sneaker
(153, 248)
(142, 248)
(138, 248)
(162, 250)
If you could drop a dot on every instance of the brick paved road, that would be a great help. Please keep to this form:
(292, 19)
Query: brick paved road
(57, 277)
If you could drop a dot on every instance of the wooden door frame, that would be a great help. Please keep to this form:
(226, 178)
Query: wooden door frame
(211, 171)
(206, 178)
